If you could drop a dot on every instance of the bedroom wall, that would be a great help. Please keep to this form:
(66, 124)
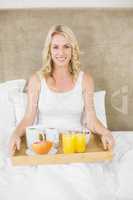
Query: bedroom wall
(105, 38)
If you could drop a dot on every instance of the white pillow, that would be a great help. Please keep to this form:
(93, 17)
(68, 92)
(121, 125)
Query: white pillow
(19, 104)
(7, 117)
(17, 85)
(99, 103)
(19, 101)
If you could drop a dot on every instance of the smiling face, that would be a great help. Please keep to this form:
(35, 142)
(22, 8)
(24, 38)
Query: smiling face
(61, 50)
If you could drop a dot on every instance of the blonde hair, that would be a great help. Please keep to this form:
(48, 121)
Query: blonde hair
(47, 68)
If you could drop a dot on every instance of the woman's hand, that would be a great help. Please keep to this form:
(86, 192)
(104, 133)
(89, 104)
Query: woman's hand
(108, 141)
(14, 144)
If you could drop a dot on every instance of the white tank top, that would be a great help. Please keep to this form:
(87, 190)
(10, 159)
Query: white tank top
(61, 110)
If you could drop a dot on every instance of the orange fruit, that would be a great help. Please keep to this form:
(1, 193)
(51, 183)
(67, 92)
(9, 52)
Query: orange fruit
(41, 147)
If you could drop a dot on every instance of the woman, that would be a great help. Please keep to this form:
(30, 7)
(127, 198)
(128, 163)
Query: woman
(60, 92)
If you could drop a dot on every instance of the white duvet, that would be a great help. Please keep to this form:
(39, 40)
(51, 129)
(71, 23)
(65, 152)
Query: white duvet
(112, 180)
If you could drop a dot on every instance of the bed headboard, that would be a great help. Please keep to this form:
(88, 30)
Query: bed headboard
(106, 42)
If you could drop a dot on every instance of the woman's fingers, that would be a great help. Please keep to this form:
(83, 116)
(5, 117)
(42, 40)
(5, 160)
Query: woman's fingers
(108, 142)
(14, 145)
(111, 142)
(18, 143)
(104, 143)
(12, 148)
(109, 146)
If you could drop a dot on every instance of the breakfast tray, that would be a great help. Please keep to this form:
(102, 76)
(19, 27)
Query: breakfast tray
(94, 153)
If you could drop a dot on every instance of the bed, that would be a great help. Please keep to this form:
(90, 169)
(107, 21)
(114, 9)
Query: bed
(110, 180)
(105, 38)
(92, 181)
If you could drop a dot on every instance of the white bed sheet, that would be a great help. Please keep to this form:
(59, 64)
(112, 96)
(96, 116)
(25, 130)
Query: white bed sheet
(92, 181)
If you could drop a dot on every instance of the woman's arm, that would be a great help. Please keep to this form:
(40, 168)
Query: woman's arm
(30, 113)
(92, 121)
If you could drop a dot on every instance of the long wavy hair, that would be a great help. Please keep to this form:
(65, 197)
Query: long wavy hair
(74, 65)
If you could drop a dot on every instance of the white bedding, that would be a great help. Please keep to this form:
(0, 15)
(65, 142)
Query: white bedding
(93, 181)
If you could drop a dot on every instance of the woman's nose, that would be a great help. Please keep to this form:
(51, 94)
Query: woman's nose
(61, 51)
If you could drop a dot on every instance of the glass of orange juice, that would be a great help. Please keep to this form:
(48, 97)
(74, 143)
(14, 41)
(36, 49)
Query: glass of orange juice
(68, 143)
(80, 142)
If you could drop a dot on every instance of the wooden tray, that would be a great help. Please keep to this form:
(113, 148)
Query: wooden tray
(94, 153)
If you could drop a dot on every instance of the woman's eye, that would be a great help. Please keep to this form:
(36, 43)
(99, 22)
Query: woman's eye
(55, 47)
(67, 46)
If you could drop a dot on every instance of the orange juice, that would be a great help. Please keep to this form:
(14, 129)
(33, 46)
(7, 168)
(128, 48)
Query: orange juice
(68, 143)
(80, 142)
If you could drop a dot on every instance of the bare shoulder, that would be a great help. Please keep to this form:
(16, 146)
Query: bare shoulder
(88, 81)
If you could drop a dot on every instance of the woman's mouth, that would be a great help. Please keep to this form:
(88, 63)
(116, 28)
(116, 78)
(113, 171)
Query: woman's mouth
(61, 59)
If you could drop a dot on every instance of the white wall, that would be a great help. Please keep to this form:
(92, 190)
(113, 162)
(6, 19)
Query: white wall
(64, 3)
